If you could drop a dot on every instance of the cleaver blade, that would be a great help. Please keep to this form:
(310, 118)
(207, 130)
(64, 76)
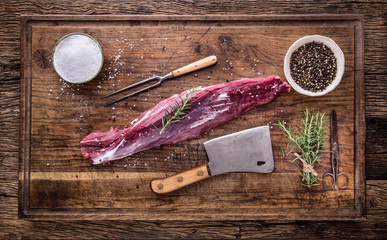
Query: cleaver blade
(245, 151)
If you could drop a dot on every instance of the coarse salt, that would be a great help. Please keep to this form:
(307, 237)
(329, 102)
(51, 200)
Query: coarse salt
(77, 58)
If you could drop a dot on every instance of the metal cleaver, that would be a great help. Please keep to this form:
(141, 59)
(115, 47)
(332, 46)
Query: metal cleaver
(245, 151)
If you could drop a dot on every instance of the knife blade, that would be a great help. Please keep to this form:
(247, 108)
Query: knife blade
(245, 151)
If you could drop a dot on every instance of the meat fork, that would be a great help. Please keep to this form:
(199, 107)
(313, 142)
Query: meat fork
(205, 62)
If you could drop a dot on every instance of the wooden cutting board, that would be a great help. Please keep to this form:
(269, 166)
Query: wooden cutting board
(56, 182)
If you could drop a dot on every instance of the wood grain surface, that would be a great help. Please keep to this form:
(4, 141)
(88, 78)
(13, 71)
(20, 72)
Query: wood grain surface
(57, 115)
(375, 90)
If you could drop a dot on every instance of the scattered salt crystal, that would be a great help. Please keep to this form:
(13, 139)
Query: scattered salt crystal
(116, 57)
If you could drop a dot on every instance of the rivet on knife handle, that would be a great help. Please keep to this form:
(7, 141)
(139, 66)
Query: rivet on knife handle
(180, 180)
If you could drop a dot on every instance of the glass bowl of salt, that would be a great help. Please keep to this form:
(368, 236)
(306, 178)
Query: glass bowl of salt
(77, 58)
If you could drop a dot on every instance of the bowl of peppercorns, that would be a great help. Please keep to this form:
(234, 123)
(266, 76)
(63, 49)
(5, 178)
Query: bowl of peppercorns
(314, 65)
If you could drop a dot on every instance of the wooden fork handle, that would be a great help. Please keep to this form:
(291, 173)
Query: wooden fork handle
(205, 62)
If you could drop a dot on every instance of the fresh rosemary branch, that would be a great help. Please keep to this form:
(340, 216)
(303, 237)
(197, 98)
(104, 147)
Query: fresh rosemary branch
(282, 150)
(176, 112)
(306, 143)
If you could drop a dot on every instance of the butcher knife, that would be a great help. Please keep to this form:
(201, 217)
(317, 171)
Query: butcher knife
(245, 151)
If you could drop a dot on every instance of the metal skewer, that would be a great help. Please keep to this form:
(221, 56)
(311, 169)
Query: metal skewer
(205, 62)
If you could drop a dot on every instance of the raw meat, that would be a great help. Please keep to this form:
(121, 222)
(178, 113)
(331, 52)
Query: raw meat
(210, 107)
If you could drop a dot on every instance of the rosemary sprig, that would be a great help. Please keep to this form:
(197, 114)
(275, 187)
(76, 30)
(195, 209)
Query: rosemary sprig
(306, 144)
(176, 112)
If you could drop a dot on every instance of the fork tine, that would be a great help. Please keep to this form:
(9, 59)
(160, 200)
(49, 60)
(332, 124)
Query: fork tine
(133, 93)
(132, 86)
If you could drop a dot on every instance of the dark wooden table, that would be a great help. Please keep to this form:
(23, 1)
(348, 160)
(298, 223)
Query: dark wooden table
(374, 226)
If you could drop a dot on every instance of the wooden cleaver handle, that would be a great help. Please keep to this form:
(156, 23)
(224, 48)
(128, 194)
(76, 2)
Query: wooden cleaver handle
(205, 62)
(180, 180)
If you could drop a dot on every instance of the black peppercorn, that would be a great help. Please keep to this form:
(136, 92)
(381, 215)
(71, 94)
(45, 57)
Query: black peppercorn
(313, 66)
